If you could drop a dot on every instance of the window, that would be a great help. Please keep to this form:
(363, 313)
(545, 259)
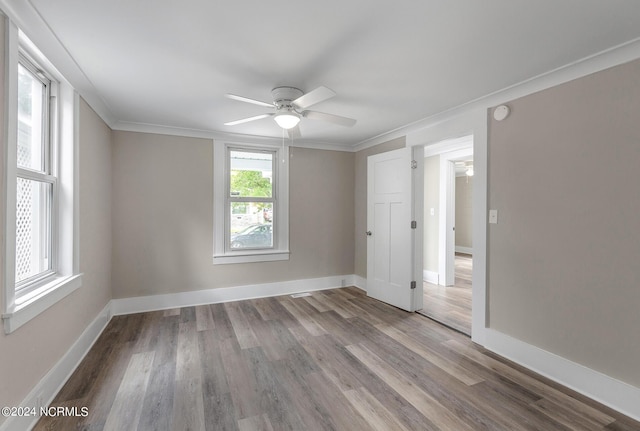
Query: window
(40, 219)
(36, 182)
(251, 203)
(250, 199)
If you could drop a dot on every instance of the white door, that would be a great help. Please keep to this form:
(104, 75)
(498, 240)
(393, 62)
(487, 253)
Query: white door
(392, 249)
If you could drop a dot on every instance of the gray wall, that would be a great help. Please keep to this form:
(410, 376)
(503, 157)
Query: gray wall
(563, 258)
(464, 211)
(361, 200)
(163, 218)
(30, 352)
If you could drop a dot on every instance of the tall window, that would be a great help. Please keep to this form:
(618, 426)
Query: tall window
(251, 199)
(36, 181)
(250, 203)
(40, 184)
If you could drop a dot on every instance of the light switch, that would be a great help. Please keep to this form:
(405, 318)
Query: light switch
(493, 216)
(432, 211)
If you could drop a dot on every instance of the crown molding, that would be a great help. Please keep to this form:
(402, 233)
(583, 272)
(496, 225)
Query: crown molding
(33, 25)
(38, 30)
(223, 136)
(597, 62)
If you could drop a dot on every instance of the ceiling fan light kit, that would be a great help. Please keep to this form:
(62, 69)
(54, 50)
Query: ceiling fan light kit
(290, 105)
(466, 167)
(287, 119)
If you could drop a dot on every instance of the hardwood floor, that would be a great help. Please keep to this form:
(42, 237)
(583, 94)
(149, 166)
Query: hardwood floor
(336, 360)
(451, 305)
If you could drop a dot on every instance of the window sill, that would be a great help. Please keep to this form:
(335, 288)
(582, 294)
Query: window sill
(251, 256)
(39, 300)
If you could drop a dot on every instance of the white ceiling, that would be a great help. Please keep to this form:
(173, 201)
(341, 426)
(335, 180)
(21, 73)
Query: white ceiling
(169, 62)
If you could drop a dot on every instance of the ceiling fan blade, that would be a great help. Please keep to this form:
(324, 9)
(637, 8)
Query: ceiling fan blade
(318, 95)
(294, 132)
(247, 100)
(331, 118)
(246, 120)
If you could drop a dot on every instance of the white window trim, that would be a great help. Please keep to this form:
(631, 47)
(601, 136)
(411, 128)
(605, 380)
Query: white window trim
(281, 216)
(16, 311)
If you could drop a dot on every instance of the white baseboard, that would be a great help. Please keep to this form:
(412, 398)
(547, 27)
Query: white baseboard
(360, 282)
(430, 276)
(45, 391)
(227, 294)
(465, 250)
(614, 393)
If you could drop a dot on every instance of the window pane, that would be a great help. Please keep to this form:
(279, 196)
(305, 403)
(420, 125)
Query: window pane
(33, 228)
(31, 93)
(251, 174)
(251, 225)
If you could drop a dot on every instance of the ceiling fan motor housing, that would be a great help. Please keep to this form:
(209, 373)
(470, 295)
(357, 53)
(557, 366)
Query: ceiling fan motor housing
(291, 105)
(283, 96)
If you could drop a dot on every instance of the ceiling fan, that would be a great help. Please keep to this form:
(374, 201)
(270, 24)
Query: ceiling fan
(466, 167)
(290, 105)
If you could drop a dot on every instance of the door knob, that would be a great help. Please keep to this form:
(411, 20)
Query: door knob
(368, 233)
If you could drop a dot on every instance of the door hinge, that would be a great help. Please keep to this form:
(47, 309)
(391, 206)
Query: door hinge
(413, 284)
(414, 224)
(414, 164)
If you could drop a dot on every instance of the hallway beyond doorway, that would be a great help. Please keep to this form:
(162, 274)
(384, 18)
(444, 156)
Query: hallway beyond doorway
(451, 305)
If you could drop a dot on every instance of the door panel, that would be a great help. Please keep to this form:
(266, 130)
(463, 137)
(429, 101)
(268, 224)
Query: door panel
(381, 241)
(390, 246)
(397, 245)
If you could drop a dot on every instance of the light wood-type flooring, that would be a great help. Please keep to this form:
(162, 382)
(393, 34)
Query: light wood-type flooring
(451, 305)
(336, 360)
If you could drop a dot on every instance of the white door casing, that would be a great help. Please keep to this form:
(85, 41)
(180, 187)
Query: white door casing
(392, 248)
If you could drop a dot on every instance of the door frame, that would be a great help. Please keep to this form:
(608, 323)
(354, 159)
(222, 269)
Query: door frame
(417, 212)
(470, 122)
(449, 150)
(446, 232)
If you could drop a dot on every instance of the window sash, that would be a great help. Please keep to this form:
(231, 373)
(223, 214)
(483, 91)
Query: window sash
(46, 115)
(48, 239)
(249, 247)
(274, 157)
(43, 173)
(229, 199)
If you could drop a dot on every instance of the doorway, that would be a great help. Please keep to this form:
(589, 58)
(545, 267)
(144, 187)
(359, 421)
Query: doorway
(448, 248)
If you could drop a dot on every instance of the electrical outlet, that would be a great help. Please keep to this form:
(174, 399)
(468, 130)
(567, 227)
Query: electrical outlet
(344, 283)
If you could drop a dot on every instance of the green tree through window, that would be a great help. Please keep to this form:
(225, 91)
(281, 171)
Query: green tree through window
(250, 184)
